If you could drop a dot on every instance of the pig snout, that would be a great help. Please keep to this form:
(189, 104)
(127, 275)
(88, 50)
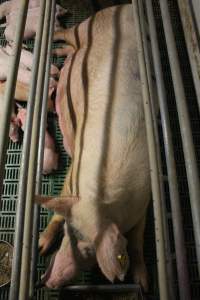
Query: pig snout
(14, 129)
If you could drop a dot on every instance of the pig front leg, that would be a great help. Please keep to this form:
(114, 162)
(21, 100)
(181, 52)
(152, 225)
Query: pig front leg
(138, 267)
(50, 234)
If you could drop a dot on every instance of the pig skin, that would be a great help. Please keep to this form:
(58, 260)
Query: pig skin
(101, 116)
(50, 162)
(10, 11)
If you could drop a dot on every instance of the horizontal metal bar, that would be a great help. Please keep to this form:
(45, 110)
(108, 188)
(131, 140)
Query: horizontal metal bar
(183, 276)
(185, 127)
(19, 226)
(160, 245)
(117, 288)
(10, 88)
(35, 233)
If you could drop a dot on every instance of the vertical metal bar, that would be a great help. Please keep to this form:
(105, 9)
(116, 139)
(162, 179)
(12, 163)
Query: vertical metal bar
(186, 133)
(192, 43)
(35, 234)
(160, 245)
(183, 276)
(31, 184)
(154, 110)
(10, 87)
(19, 226)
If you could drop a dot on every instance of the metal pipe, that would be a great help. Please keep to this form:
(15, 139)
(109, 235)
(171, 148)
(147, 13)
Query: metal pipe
(117, 288)
(36, 218)
(182, 270)
(186, 133)
(19, 226)
(160, 245)
(154, 110)
(10, 88)
(191, 43)
(31, 184)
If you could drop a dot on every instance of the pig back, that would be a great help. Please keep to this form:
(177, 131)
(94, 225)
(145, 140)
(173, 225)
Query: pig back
(110, 165)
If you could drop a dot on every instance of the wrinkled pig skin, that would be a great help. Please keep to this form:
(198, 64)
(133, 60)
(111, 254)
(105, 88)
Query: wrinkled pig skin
(10, 10)
(100, 109)
(50, 162)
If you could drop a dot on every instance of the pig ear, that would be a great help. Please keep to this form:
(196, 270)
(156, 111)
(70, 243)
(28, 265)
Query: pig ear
(61, 205)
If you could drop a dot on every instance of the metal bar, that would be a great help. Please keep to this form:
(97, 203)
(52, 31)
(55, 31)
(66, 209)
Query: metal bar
(31, 184)
(160, 245)
(191, 43)
(10, 88)
(19, 226)
(154, 110)
(182, 270)
(117, 288)
(186, 133)
(35, 234)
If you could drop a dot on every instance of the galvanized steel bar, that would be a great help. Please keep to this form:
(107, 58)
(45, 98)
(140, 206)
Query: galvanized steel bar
(185, 127)
(10, 87)
(31, 184)
(160, 245)
(182, 270)
(192, 43)
(36, 218)
(154, 110)
(19, 226)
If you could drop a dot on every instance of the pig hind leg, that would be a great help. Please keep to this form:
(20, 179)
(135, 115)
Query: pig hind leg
(135, 244)
(51, 233)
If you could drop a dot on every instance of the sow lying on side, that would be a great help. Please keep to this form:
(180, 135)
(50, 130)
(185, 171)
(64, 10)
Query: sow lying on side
(107, 190)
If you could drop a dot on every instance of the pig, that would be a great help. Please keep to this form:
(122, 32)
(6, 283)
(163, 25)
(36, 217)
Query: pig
(14, 122)
(50, 162)
(24, 71)
(10, 10)
(27, 60)
(107, 189)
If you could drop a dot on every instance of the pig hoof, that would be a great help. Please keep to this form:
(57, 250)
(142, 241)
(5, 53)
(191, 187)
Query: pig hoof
(45, 243)
(140, 277)
(49, 236)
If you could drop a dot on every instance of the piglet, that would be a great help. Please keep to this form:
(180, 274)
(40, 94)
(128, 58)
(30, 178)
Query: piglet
(50, 162)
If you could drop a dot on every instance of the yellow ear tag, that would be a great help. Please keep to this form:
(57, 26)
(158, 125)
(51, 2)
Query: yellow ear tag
(122, 259)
